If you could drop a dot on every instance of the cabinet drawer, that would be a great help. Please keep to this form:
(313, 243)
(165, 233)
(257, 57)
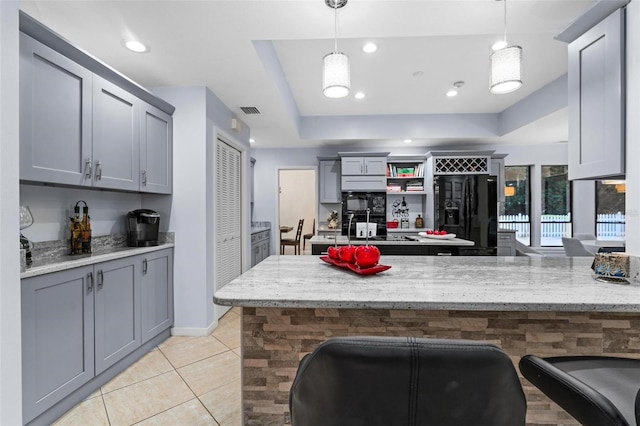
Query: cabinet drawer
(364, 183)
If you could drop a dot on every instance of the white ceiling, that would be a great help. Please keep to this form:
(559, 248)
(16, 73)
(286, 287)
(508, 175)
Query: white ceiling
(268, 54)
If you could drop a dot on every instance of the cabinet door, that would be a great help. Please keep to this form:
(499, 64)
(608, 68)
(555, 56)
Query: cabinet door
(375, 165)
(156, 155)
(116, 138)
(329, 181)
(497, 170)
(117, 318)
(596, 100)
(255, 254)
(55, 116)
(352, 165)
(156, 297)
(57, 337)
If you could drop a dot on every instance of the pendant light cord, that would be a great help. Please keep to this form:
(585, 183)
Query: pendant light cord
(335, 25)
(505, 22)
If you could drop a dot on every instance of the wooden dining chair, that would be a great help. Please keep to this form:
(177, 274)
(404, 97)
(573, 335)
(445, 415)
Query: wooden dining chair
(306, 237)
(295, 242)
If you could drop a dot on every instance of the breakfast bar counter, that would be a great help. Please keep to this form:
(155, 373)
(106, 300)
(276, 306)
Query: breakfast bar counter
(543, 306)
(394, 244)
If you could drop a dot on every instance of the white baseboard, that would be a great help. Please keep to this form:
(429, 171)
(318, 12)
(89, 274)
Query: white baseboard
(194, 332)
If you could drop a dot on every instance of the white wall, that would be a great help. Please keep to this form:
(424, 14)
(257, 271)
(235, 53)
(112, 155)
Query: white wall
(51, 208)
(10, 322)
(200, 117)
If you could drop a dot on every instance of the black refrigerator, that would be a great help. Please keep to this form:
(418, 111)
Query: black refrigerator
(467, 205)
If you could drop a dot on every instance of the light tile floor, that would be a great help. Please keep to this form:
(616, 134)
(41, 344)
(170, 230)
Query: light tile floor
(183, 381)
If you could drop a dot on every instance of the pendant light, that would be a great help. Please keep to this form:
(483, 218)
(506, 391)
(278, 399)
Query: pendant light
(335, 73)
(506, 65)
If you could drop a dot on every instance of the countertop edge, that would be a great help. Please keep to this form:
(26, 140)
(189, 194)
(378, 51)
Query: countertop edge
(435, 306)
(65, 264)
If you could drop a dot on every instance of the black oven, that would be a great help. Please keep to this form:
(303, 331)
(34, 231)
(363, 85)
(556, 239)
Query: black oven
(357, 203)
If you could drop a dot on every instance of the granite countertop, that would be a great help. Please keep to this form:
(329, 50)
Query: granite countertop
(395, 240)
(482, 283)
(256, 229)
(46, 265)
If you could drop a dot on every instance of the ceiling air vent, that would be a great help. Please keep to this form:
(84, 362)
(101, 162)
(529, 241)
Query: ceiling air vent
(250, 110)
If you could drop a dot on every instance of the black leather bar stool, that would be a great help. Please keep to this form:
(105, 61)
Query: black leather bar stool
(388, 381)
(595, 390)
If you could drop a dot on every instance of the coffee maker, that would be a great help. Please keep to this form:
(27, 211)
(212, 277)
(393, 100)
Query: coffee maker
(142, 228)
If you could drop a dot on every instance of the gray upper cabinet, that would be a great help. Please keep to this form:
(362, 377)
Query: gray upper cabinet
(57, 337)
(156, 293)
(156, 150)
(364, 165)
(329, 180)
(78, 128)
(117, 297)
(596, 100)
(116, 146)
(55, 112)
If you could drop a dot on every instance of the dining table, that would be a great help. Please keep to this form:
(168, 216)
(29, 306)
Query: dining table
(284, 229)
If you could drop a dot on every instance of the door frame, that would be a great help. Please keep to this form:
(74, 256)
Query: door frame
(277, 215)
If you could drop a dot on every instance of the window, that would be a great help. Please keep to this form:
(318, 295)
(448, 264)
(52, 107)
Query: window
(517, 203)
(610, 210)
(555, 221)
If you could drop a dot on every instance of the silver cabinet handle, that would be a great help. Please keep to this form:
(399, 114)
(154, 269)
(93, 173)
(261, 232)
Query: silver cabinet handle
(100, 279)
(144, 267)
(144, 177)
(90, 282)
(88, 168)
(360, 168)
(366, 169)
(98, 170)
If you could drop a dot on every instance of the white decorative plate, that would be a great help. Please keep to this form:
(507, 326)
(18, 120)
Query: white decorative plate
(437, 237)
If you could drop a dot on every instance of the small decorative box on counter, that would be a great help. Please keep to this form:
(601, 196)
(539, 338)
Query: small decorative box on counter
(611, 267)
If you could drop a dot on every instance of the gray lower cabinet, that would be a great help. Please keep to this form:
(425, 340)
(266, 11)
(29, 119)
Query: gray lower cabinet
(116, 310)
(260, 246)
(79, 322)
(157, 293)
(57, 337)
(596, 87)
(55, 102)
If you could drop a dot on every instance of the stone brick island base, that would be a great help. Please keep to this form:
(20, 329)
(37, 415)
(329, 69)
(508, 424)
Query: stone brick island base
(275, 339)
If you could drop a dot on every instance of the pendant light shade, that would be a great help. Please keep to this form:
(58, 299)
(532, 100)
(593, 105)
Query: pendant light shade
(335, 75)
(506, 70)
(506, 65)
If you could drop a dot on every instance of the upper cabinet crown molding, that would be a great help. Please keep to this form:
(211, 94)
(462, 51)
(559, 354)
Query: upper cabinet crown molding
(49, 38)
(589, 19)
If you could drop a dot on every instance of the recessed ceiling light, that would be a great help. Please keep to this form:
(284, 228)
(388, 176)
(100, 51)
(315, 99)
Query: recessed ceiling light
(501, 44)
(252, 140)
(454, 90)
(451, 93)
(135, 46)
(359, 95)
(418, 74)
(369, 47)
(407, 141)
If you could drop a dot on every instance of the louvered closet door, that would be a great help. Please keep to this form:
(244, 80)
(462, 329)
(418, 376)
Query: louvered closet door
(228, 214)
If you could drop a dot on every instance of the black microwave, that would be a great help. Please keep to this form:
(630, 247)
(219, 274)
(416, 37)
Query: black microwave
(359, 202)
